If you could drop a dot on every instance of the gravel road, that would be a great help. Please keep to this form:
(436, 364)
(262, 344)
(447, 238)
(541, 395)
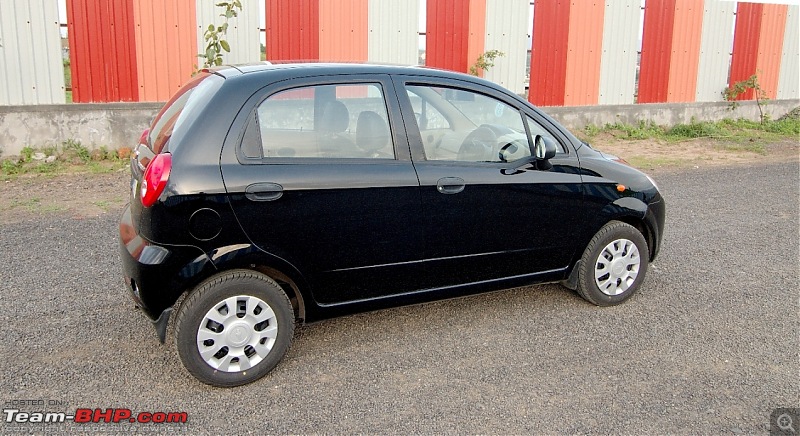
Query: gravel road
(709, 345)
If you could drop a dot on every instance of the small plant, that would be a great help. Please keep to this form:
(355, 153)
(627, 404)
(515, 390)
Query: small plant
(696, 129)
(732, 93)
(26, 154)
(10, 167)
(591, 130)
(50, 151)
(485, 61)
(71, 145)
(215, 35)
(45, 167)
(643, 130)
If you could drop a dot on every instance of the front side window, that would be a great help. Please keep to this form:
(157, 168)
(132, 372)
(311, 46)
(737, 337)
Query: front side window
(537, 129)
(469, 126)
(323, 121)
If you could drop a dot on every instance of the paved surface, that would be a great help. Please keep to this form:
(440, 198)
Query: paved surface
(710, 344)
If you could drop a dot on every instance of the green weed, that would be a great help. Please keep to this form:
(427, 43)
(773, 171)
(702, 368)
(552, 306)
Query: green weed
(26, 154)
(740, 130)
(10, 167)
(73, 146)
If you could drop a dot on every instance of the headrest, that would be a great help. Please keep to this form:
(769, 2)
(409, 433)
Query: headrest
(372, 133)
(335, 118)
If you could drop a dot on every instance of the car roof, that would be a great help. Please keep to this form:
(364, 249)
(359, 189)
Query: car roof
(334, 68)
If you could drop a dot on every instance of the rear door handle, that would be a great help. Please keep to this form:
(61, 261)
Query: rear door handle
(450, 185)
(263, 192)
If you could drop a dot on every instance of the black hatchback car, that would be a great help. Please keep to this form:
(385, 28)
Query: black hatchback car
(276, 194)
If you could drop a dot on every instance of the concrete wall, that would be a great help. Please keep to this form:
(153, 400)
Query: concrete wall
(117, 125)
(112, 125)
(667, 114)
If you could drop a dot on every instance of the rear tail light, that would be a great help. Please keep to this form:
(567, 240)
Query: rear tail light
(155, 178)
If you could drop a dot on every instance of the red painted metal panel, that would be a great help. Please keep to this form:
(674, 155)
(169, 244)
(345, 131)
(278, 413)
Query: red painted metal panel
(343, 30)
(770, 47)
(745, 44)
(654, 67)
(685, 51)
(166, 46)
(447, 34)
(292, 29)
(549, 52)
(476, 40)
(102, 51)
(585, 45)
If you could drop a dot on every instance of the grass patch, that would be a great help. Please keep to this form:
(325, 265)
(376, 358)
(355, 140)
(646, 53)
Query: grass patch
(653, 162)
(34, 204)
(740, 130)
(69, 156)
(30, 204)
(752, 147)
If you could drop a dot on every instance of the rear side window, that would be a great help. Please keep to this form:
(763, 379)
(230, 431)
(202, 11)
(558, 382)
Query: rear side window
(323, 121)
(175, 118)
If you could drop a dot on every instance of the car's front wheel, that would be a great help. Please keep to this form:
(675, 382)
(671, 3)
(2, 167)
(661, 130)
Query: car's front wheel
(614, 264)
(234, 328)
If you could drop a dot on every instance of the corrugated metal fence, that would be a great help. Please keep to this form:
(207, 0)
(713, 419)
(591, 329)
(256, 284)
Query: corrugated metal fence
(31, 69)
(582, 52)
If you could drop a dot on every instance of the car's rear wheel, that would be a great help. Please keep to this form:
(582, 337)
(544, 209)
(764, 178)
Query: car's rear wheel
(234, 328)
(614, 264)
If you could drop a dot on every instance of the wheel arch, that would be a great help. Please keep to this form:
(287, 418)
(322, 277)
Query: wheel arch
(634, 212)
(289, 277)
(628, 210)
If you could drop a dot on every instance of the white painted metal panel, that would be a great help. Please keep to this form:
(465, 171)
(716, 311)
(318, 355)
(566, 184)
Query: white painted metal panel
(620, 51)
(507, 31)
(789, 78)
(393, 35)
(716, 43)
(243, 32)
(31, 66)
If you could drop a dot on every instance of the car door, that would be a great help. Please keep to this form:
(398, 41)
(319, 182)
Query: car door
(324, 180)
(484, 219)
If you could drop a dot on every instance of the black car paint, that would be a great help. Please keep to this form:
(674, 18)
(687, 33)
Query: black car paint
(431, 261)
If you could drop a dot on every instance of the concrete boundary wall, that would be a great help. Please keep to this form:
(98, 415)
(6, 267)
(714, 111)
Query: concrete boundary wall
(112, 125)
(666, 114)
(117, 125)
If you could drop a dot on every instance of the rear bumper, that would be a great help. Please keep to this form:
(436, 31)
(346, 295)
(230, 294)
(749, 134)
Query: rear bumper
(156, 274)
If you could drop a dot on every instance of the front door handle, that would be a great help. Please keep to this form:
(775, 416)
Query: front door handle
(263, 192)
(450, 185)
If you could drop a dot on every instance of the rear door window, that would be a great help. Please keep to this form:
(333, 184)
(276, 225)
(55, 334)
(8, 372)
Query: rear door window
(322, 121)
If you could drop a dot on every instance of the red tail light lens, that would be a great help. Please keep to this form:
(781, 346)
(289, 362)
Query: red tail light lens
(155, 178)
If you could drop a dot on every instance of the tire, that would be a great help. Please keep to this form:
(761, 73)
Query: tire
(614, 265)
(234, 328)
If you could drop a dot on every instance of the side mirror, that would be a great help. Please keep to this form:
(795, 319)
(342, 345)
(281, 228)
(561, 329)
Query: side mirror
(544, 148)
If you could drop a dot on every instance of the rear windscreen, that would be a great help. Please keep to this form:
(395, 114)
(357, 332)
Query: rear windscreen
(177, 116)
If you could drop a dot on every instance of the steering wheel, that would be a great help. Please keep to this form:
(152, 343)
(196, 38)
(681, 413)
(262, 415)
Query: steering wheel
(511, 148)
(478, 145)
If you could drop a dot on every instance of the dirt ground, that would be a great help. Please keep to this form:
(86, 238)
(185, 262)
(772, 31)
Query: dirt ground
(81, 195)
